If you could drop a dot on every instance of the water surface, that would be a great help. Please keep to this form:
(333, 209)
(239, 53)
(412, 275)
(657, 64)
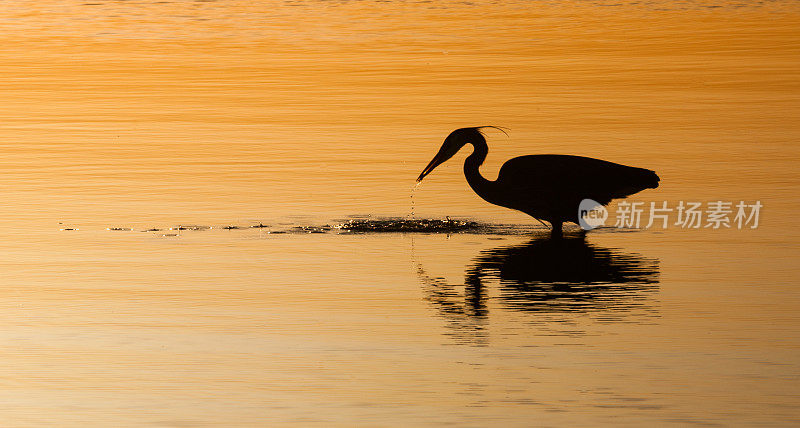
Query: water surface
(296, 115)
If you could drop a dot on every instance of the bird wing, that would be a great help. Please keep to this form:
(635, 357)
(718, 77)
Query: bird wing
(574, 177)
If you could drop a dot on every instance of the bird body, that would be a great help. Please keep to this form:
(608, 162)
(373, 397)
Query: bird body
(546, 187)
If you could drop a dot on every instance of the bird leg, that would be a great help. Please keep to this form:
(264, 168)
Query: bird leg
(556, 225)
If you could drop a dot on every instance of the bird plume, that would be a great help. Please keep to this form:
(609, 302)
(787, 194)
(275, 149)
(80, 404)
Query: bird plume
(499, 128)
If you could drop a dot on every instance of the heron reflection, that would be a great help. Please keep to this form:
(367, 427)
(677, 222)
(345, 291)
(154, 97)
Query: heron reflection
(546, 276)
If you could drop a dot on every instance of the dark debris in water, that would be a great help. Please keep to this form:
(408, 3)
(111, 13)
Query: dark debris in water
(413, 225)
(193, 227)
(312, 229)
(368, 225)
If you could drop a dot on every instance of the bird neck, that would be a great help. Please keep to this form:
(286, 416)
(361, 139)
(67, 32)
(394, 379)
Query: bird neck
(472, 164)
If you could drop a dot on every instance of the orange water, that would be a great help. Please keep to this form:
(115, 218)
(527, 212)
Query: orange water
(158, 114)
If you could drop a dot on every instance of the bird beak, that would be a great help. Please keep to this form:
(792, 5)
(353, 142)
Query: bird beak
(438, 159)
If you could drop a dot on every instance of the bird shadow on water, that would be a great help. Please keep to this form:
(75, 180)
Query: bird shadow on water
(549, 281)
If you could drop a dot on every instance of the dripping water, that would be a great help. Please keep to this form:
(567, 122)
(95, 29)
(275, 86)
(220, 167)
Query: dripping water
(413, 189)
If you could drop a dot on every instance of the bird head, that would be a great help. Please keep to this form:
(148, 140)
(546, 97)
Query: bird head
(452, 144)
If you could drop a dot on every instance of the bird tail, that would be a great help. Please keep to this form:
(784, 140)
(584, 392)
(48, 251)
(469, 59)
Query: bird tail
(650, 179)
(635, 181)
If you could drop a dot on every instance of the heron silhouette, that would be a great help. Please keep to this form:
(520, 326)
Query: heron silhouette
(546, 187)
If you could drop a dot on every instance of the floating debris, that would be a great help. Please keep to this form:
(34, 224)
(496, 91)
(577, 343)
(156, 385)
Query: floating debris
(190, 228)
(312, 229)
(70, 228)
(367, 225)
(412, 225)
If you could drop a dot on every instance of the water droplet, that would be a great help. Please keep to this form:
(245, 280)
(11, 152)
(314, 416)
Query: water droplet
(413, 189)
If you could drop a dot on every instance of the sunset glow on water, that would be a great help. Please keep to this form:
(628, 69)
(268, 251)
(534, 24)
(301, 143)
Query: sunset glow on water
(210, 215)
